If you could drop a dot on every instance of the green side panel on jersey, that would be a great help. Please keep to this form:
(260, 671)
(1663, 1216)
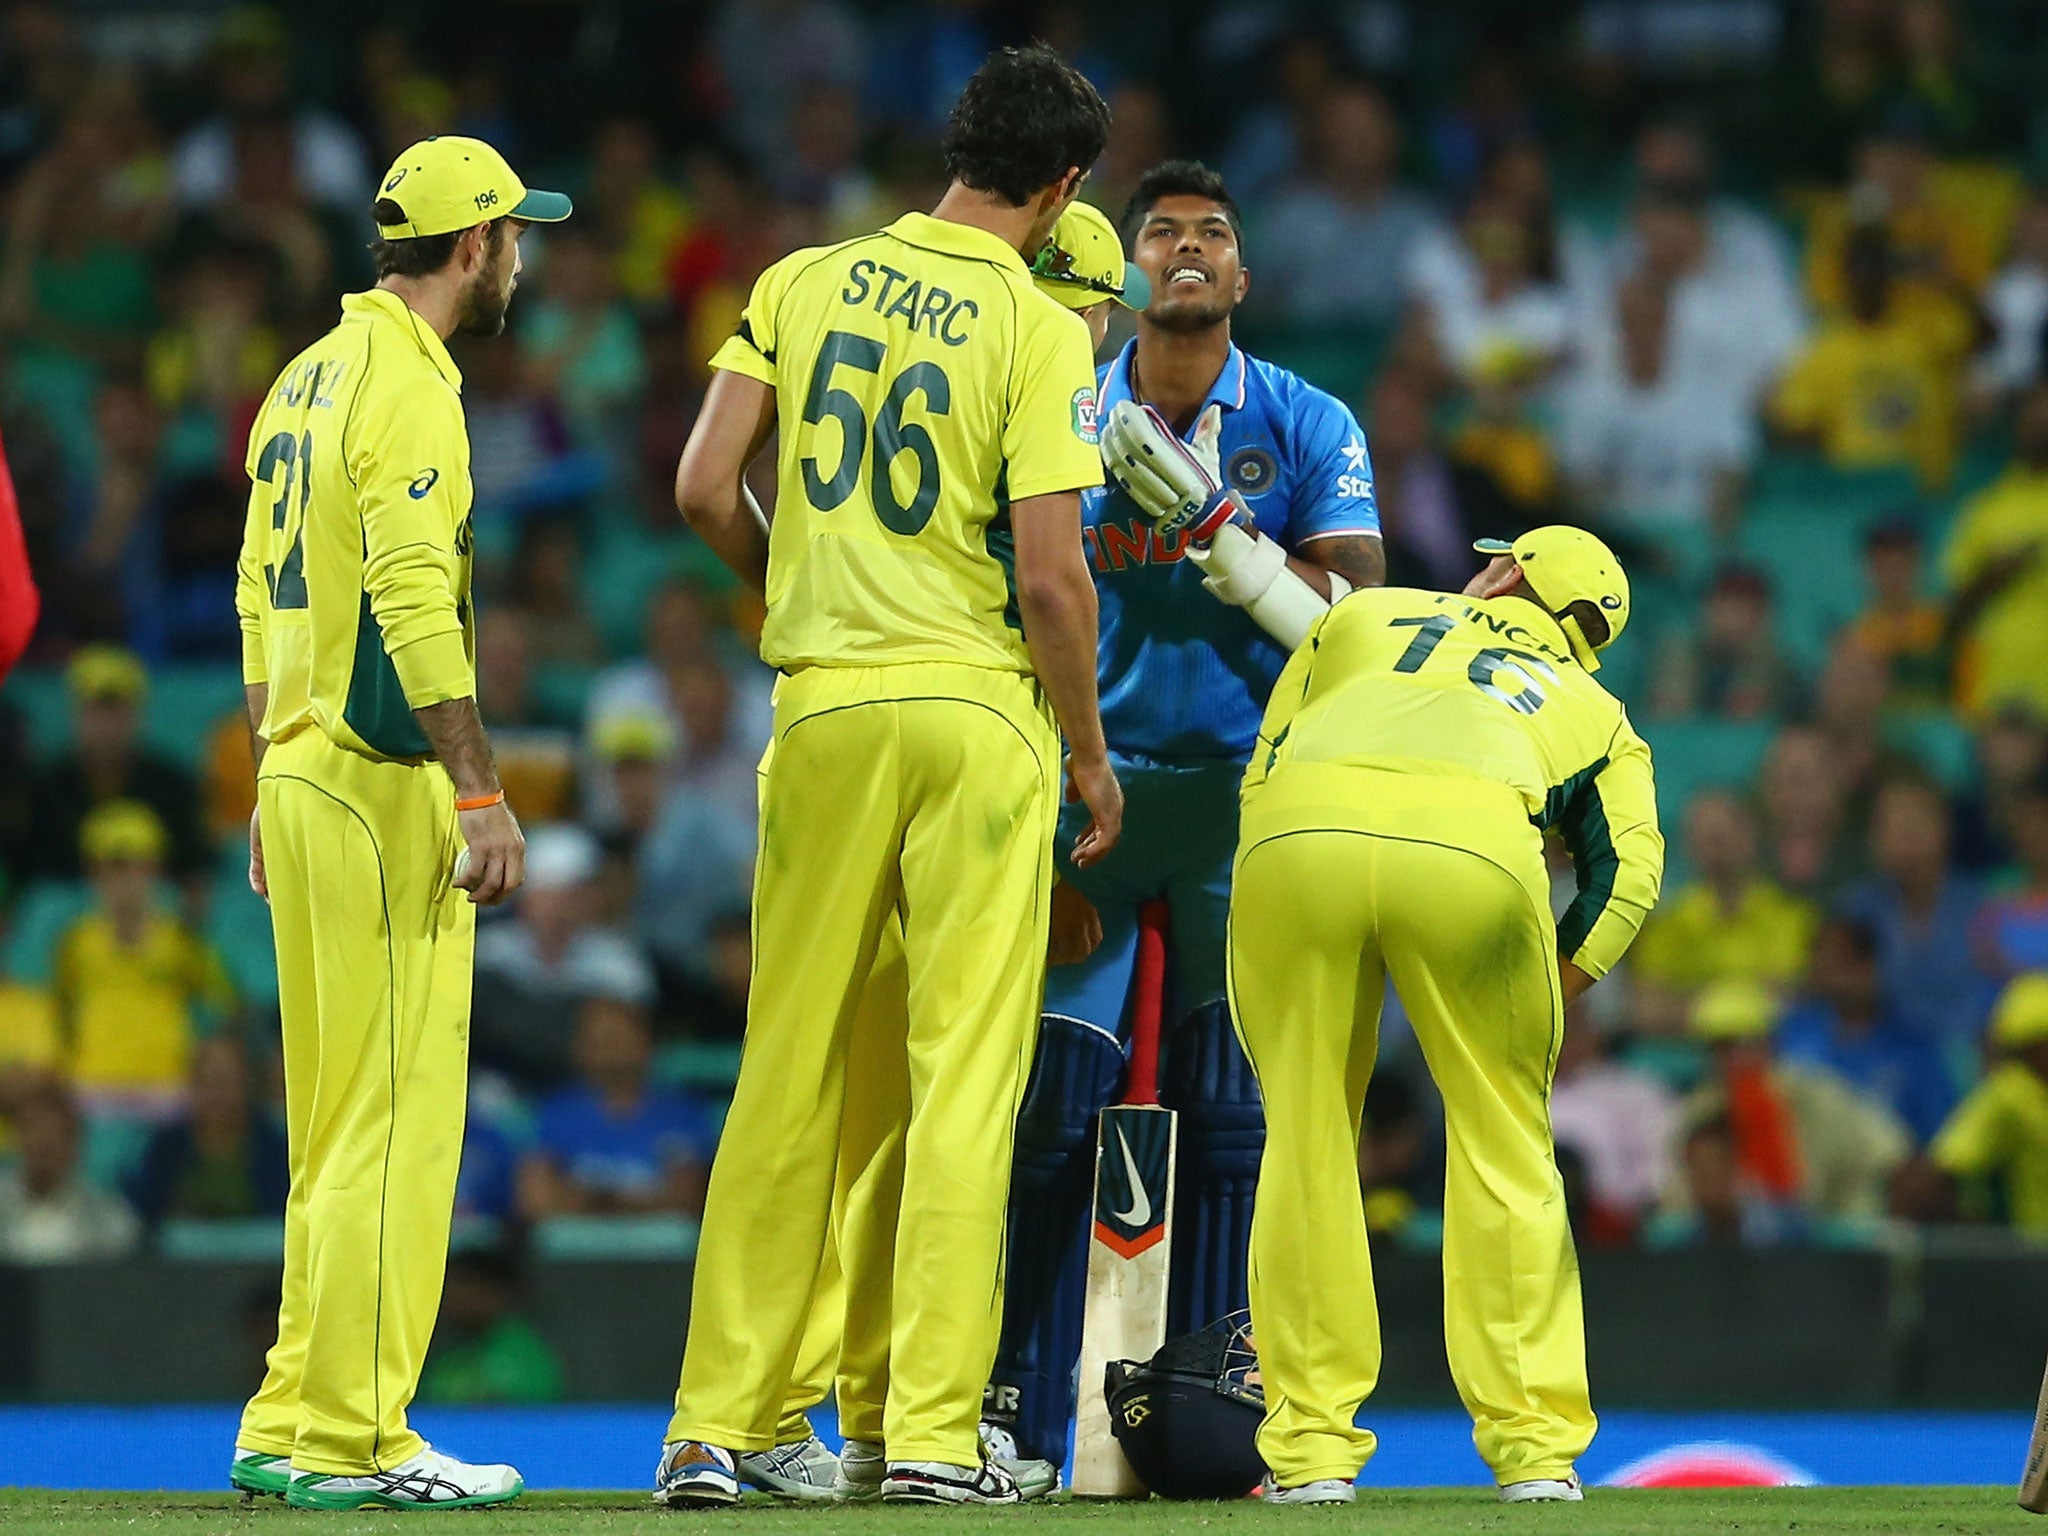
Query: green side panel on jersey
(376, 709)
(1001, 541)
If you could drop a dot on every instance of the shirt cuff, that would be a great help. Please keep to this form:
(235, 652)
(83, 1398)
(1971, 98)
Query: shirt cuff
(434, 669)
(738, 355)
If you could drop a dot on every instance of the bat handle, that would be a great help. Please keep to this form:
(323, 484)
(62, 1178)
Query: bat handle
(1148, 1003)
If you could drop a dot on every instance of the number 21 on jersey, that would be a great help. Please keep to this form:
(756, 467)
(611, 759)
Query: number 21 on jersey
(287, 460)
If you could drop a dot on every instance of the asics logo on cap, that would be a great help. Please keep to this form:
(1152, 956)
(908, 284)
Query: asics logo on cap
(396, 177)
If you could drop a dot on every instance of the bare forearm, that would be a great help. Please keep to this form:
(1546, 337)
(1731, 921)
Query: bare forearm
(1361, 560)
(1060, 630)
(257, 698)
(1573, 982)
(736, 531)
(456, 732)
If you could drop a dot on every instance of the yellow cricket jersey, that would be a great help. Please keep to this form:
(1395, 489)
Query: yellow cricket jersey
(2001, 1129)
(1436, 684)
(922, 385)
(353, 584)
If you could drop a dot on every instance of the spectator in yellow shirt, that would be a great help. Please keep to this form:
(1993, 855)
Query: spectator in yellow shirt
(1730, 922)
(1999, 1133)
(1876, 387)
(134, 986)
(1997, 571)
(1943, 243)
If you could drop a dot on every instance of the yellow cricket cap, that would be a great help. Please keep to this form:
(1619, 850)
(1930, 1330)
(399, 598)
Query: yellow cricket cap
(634, 737)
(122, 829)
(1083, 263)
(2021, 1017)
(101, 672)
(448, 183)
(1733, 1010)
(1562, 565)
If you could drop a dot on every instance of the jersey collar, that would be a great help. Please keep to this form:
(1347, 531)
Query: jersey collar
(1228, 390)
(954, 239)
(382, 304)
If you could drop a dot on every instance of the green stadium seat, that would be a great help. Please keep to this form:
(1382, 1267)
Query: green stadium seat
(45, 910)
(615, 1237)
(1939, 743)
(252, 1241)
(238, 925)
(1697, 754)
(1815, 562)
(709, 1067)
(185, 703)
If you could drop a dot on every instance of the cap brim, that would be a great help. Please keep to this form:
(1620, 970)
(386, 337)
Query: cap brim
(1137, 292)
(539, 207)
(1493, 546)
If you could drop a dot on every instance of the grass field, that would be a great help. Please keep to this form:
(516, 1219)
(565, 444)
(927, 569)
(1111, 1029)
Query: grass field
(1608, 1512)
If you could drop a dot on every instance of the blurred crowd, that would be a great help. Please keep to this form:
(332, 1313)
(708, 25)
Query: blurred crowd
(1763, 303)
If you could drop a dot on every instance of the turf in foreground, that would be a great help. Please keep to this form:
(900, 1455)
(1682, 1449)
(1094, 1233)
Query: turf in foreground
(1405, 1512)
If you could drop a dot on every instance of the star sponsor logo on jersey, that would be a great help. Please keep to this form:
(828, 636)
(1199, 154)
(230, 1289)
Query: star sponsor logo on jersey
(1252, 471)
(422, 483)
(1085, 413)
(1355, 483)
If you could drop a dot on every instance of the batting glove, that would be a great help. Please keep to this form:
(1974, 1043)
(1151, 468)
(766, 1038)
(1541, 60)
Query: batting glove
(1175, 483)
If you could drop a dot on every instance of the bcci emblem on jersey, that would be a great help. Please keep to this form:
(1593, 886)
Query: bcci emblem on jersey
(1252, 471)
(1133, 1178)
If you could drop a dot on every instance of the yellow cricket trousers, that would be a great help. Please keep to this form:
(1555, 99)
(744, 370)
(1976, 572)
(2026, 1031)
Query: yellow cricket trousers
(374, 962)
(846, 1339)
(926, 791)
(1345, 876)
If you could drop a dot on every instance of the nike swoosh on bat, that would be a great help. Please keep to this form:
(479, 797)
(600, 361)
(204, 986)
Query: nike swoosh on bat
(1140, 1213)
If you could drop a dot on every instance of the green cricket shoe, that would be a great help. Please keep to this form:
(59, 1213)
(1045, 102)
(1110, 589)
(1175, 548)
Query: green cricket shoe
(429, 1481)
(259, 1473)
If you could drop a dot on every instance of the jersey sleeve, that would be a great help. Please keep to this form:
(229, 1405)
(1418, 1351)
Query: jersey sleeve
(1049, 441)
(751, 349)
(1283, 704)
(1607, 815)
(412, 479)
(1333, 489)
(252, 597)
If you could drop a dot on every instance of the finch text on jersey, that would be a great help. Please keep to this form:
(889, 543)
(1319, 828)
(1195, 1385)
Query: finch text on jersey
(934, 310)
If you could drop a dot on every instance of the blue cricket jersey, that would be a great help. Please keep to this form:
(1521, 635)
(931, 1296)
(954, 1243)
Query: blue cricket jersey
(1181, 674)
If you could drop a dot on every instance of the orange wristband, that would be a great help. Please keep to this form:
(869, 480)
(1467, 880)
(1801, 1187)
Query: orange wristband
(481, 802)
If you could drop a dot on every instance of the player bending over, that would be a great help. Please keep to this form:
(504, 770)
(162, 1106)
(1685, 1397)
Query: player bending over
(1243, 507)
(934, 621)
(1413, 756)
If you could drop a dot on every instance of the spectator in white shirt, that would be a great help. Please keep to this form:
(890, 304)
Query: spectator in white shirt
(1644, 447)
(1489, 288)
(49, 1214)
(2017, 304)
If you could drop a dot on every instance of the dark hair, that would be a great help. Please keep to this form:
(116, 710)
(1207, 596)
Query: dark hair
(1179, 178)
(1024, 120)
(419, 255)
(1592, 621)
(1860, 934)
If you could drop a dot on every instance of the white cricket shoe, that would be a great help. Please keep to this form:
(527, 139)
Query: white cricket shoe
(1324, 1490)
(1035, 1477)
(862, 1466)
(1544, 1490)
(693, 1474)
(803, 1469)
(940, 1482)
(429, 1481)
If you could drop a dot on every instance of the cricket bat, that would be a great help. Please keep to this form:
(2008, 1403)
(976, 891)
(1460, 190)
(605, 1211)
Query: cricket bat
(2034, 1479)
(1131, 1242)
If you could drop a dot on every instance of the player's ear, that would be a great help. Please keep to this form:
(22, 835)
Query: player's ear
(1244, 282)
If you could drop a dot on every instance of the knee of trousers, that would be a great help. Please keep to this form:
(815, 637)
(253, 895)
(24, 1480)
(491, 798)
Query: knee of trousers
(1079, 1068)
